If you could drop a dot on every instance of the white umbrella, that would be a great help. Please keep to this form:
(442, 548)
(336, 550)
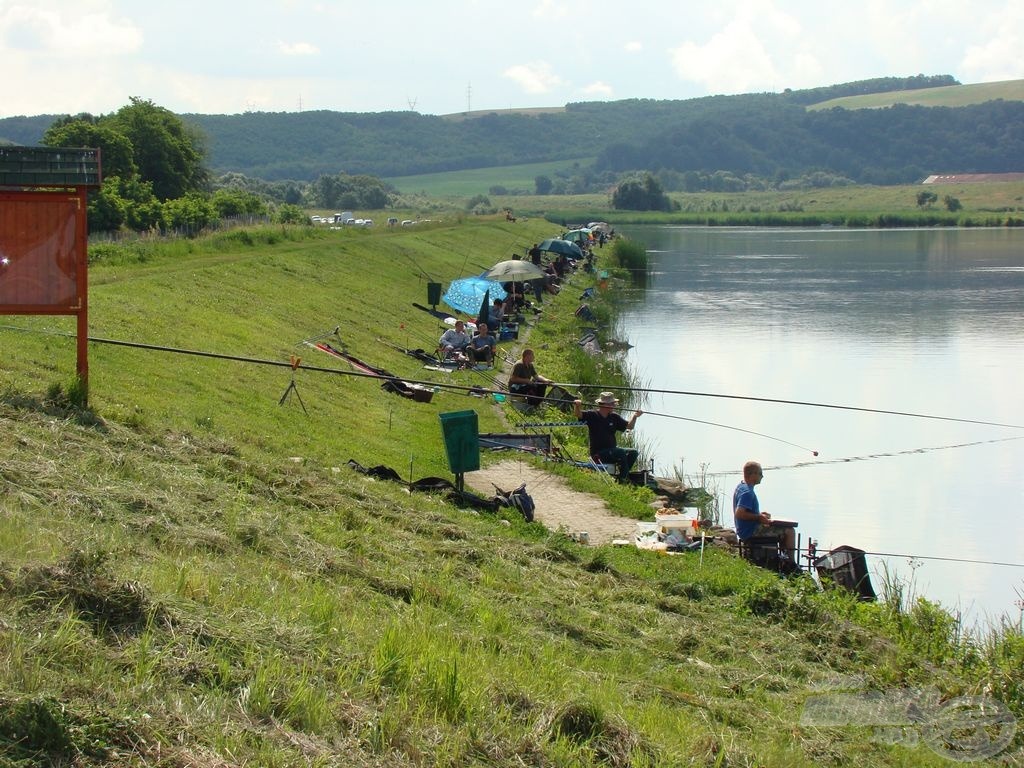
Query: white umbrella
(514, 269)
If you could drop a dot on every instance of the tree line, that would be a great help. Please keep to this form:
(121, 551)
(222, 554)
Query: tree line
(156, 177)
(167, 171)
(771, 136)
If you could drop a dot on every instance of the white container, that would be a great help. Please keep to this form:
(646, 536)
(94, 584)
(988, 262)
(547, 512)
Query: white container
(686, 524)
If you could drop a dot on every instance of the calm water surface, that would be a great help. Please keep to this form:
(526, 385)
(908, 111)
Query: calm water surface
(921, 321)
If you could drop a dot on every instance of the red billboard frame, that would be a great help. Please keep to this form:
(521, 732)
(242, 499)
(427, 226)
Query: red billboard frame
(44, 236)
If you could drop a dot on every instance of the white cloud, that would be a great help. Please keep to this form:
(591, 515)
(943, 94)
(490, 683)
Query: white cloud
(298, 49)
(535, 77)
(550, 10)
(1002, 56)
(732, 61)
(759, 48)
(598, 88)
(66, 34)
(633, 46)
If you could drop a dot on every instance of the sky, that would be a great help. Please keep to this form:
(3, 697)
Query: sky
(445, 56)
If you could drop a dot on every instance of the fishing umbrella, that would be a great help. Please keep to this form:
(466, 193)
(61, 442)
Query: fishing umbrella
(484, 315)
(600, 226)
(561, 246)
(466, 293)
(577, 235)
(514, 269)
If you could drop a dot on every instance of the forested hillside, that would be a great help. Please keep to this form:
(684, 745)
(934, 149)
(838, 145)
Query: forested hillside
(772, 136)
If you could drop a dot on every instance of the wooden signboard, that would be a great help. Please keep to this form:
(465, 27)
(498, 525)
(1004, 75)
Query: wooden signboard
(42, 256)
(44, 235)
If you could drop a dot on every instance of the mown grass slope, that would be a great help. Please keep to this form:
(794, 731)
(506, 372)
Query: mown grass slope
(190, 575)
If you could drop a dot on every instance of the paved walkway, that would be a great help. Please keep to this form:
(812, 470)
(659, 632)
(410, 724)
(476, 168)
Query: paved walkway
(558, 505)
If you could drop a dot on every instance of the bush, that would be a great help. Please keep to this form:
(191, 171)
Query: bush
(630, 255)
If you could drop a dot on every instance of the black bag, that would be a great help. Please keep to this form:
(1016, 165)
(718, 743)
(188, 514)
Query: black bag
(523, 501)
(519, 499)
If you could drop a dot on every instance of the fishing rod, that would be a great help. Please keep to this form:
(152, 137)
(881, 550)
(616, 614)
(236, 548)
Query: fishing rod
(418, 267)
(806, 403)
(735, 429)
(947, 559)
(359, 374)
(328, 334)
(850, 459)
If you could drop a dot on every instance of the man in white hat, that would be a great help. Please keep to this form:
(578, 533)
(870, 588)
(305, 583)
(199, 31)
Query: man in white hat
(602, 424)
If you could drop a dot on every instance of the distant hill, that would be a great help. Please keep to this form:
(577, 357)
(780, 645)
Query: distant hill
(768, 135)
(943, 96)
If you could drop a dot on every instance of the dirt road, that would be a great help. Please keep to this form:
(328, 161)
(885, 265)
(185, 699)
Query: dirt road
(558, 505)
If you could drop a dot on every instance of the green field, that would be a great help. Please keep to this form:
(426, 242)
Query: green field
(478, 181)
(944, 96)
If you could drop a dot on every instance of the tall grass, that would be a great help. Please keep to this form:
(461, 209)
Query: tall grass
(191, 575)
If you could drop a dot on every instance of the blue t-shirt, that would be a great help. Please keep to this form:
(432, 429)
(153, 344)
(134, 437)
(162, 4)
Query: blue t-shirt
(745, 497)
(482, 342)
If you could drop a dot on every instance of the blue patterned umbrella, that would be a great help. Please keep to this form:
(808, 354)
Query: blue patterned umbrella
(465, 294)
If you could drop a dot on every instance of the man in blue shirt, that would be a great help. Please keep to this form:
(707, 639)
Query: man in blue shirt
(747, 515)
(602, 425)
(482, 345)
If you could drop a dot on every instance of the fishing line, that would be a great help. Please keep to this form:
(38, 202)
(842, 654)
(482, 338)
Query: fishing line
(947, 559)
(869, 457)
(416, 264)
(806, 403)
(446, 386)
(727, 426)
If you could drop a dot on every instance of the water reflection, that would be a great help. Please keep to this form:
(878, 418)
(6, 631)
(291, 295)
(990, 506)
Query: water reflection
(921, 321)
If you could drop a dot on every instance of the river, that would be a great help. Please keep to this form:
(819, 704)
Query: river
(927, 321)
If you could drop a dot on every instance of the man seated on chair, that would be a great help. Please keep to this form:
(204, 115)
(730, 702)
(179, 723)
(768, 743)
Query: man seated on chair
(481, 346)
(750, 520)
(524, 380)
(602, 425)
(454, 341)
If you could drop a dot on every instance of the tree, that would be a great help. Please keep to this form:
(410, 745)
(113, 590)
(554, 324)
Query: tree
(952, 204)
(237, 202)
(344, 191)
(117, 155)
(190, 213)
(291, 214)
(641, 194)
(926, 198)
(543, 185)
(166, 152)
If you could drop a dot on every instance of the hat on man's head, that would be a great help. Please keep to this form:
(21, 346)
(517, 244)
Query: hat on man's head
(606, 398)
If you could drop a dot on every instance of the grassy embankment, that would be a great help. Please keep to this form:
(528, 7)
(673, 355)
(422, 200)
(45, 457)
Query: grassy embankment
(190, 576)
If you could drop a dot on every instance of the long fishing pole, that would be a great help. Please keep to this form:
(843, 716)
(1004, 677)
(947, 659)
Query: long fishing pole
(727, 426)
(947, 559)
(416, 264)
(782, 401)
(358, 374)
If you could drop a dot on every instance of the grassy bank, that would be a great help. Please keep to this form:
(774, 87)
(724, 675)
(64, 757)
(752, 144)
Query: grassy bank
(982, 204)
(190, 574)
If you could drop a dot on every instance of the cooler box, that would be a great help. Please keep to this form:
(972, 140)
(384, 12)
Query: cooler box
(686, 524)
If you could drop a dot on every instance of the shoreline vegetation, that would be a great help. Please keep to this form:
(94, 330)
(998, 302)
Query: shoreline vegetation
(980, 204)
(190, 575)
